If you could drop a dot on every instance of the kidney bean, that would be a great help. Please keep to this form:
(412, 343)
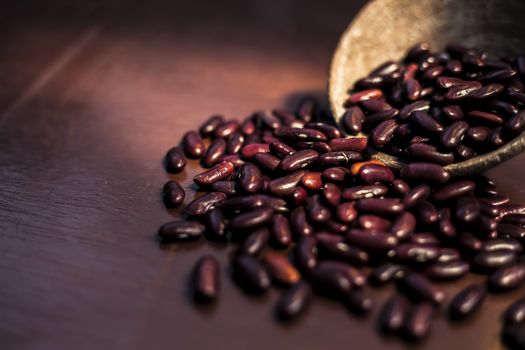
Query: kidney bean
(280, 269)
(202, 204)
(173, 194)
(333, 247)
(403, 226)
(255, 242)
(428, 153)
(386, 273)
(298, 196)
(447, 271)
(206, 281)
(467, 301)
(300, 225)
(419, 287)
(251, 219)
(306, 253)
(489, 261)
(339, 158)
(221, 171)
(383, 133)
(467, 209)
(356, 144)
(380, 206)
(250, 179)
(250, 274)
(515, 313)
(373, 222)
(424, 172)
(358, 192)
(393, 314)
(416, 195)
(209, 126)
(175, 160)
(372, 241)
(177, 231)
(331, 194)
(250, 150)
(193, 145)
(226, 129)
(373, 173)
(335, 174)
(298, 160)
(507, 278)
(418, 321)
(283, 186)
(293, 301)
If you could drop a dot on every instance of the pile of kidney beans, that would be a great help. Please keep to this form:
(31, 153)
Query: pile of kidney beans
(308, 211)
(439, 107)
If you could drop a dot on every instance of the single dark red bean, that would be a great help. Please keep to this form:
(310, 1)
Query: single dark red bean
(447, 271)
(234, 159)
(448, 255)
(502, 244)
(433, 73)
(412, 89)
(255, 242)
(369, 191)
(179, 231)
(280, 149)
(372, 241)
(454, 190)
(425, 172)
(418, 322)
(426, 122)
(507, 278)
(496, 137)
(281, 231)
(403, 226)
(305, 253)
(513, 219)
(497, 200)
(400, 186)
(285, 185)
(312, 180)
(193, 145)
(214, 153)
(453, 135)
(416, 253)
(209, 126)
(251, 219)
(428, 153)
(335, 174)
(243, 204)
(206, 281)
(173, 194)
(416, 195)
(383, 133)
(330, 131)
(268, 120)
(298, 196)
(373, 173)
(380, 206)
(485, 116)
(460, 92)
(424, 238)
(229, 188)
(420, 287)
(355, 276)
(370, 82)
(235, 143)
(448, 82)
(249, 151)
(356, 144)
(467, 301)
(248, 127)
(381, 116)
(317, 212)
(227, 129)
(294, 301)
(515, 124)
(374, 106)
(202, 204)
(331, 194)
(175, 160)
(250, 274)
(515, 312)
(445, 225)
(467, 209)
(489, 261)
(409, 109)
(332, 246)
(497, 75)
(393, 314)
(215, 225)
(364, 95)
(250, 178)
(300, 225)
(346, 212)
(320, 147)
(300, 134)
(488, 91)
(386, 273)
(267, 161)
(352, 120)
(452, 112)
(280, 269)
(502, 107)
(298, 160)
(454, 66)
(221, 171)
(373, 222)
(339, 158)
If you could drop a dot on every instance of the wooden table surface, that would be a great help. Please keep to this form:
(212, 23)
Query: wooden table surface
(92, 94)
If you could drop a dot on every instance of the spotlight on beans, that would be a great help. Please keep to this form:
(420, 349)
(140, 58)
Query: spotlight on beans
(306, 210)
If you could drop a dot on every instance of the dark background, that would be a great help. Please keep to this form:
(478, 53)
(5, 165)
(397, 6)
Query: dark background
(92, 94)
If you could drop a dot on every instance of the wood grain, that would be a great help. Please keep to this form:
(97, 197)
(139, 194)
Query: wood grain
(84, 125)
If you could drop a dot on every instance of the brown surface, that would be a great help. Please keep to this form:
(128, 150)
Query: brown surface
(92, 95)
